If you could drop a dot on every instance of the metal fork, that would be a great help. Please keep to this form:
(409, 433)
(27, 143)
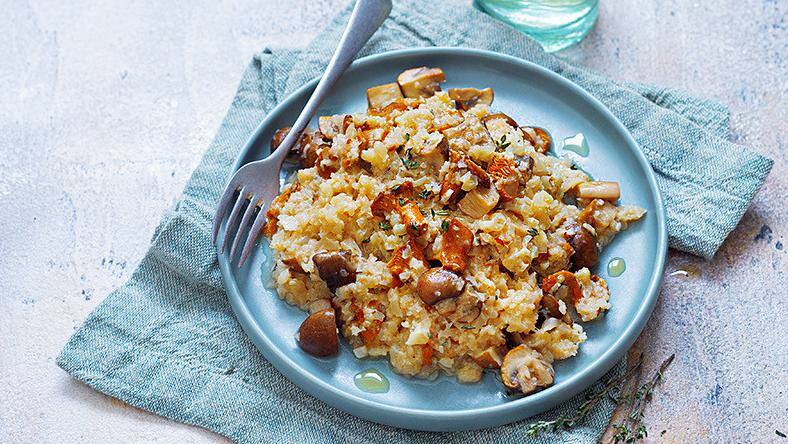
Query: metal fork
(252, 185)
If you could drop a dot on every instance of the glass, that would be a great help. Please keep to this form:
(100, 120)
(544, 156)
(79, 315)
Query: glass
(555, 24)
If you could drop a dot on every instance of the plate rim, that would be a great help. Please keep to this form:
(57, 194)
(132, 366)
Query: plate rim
(473, 418)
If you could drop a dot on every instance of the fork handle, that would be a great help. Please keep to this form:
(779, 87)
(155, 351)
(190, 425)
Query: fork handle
(366, 18)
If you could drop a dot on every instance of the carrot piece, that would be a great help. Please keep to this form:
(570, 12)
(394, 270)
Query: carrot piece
(272, 215)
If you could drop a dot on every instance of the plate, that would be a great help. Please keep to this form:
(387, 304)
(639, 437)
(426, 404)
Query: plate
(531, 95)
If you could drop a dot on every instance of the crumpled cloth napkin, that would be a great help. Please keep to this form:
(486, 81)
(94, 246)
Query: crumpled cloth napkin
(168, 342)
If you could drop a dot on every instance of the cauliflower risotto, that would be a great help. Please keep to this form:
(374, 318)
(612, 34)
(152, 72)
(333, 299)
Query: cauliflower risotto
(439, 233)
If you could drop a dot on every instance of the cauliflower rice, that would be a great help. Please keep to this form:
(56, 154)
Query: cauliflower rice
(397, 189)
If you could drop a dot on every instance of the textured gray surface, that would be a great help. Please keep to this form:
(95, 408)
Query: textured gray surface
(105, 109)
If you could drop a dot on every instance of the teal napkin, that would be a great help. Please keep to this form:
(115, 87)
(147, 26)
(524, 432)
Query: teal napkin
(168, 342)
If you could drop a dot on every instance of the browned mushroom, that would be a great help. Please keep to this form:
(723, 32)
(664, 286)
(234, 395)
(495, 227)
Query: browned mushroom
(456, 244)
(437, 284)
(599, 190)
(305, 148)
(553, 308)
(585, 245)
(479, 202)
(467, 98)
(420, 82)
(538, 137)
(380, 96)
(524, 369)
(525, 166)
(489, 119)
(334, 268)
(318, 334)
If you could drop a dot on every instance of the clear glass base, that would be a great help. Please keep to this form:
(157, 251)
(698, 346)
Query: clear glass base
(555, 24)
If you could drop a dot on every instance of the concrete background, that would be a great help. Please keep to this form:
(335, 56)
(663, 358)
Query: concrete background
(105, 108)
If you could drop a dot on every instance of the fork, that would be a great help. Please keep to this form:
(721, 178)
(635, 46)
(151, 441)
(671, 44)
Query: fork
(251, 186)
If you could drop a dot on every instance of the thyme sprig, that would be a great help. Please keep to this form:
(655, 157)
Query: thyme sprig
(592, 399)
(632, 427)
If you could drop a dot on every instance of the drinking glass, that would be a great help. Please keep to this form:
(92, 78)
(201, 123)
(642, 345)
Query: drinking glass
(555, 24)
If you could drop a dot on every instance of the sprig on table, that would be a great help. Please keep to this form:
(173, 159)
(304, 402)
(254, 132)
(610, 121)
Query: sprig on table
(632, 427)
(566, 422)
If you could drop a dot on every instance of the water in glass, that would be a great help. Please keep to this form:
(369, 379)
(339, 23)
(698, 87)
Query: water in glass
(555, 24)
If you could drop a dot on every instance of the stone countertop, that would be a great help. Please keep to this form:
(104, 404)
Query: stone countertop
(105, 109)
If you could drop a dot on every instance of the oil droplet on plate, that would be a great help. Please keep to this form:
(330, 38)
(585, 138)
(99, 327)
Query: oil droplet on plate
(577, 144)
(371, 381)
(616, 267)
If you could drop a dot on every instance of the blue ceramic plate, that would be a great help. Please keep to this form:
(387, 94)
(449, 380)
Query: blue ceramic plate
(531, 95)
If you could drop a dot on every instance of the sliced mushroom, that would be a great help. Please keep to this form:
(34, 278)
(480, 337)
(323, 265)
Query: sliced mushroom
(489, 119)
(525, 166)
(599, 190)
(456, 244)
(506, 176)
(479, 202)
(318, 334)
(563, 277)
(553, 308)
(467, 98)
(524, 369)
(538, 137)
(437, 284)
(334, 268)
(420, 82)
(490, 357)
(305, 148)
(584, 244)
(382, 95)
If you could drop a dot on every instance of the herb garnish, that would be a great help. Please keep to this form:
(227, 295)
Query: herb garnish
(407, 137)
(592, 399)
(385, 225)
(396, 187)
(502, 144)
(402, 201)
(632, 428)
(533, 231)
(445, 225)
(408, 161)
(425, 194)
(365, 240)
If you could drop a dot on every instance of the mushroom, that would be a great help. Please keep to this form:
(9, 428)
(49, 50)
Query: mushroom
(526, 370)
(538, 137)
(318, 334)
(420, 82)
(463, 309)
(479, 202)
(584, 244)
(487, 120)
(437, 284)
(382, 95)
(305, 148)
(525, 166)
(599, 190)
(334, 268)
(467, 98)
(553, 308)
